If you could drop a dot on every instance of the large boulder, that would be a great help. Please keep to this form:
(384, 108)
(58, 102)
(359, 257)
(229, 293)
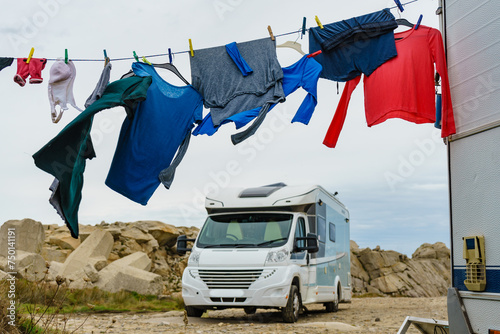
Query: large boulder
(129, 273)
(30, 266)
(94, 250)
(165, 234)
(64, 240)
(28, 236)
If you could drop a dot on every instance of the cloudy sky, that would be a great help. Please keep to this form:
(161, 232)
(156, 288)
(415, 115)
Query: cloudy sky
(392, 177)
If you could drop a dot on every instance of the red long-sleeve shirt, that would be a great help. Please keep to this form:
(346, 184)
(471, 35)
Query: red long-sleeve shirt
(403, 87)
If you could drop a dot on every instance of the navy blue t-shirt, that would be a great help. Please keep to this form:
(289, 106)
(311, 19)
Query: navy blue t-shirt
(148, 142)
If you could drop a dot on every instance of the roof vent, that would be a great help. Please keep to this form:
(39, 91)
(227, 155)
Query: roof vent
(263, 191)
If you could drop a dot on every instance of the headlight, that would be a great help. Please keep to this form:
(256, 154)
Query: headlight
(194, 258)
(277, 256)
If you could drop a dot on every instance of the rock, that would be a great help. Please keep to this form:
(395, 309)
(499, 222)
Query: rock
(98, 262)
(54, 268)
(91, 273)
(137, 260)
(165, 234)
(3, 275)
(129, 273)
(29, 236)
(94, 249)
(58, 255)
(136, 234)
(30, 266)
(64, 241)
(435, 251)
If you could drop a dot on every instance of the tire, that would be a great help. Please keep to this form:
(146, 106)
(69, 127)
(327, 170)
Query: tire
(250, 309)
(333, 306)
(194, 311)
(290, 312)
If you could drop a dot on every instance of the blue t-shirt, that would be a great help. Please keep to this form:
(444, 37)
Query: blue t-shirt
(304, 73)
(148, 142)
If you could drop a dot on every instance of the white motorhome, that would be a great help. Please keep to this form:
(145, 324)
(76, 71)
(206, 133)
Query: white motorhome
(472, 41)
(274, 246)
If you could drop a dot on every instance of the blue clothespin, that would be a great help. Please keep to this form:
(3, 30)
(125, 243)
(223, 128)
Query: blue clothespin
(66, 56)
(418, 23)
(400, 6)
(136, 57)
(105, 54)
(169, 56)
(106, 58)
(303, 27)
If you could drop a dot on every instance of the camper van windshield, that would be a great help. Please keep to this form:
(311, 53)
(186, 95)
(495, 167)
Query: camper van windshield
(245, 230)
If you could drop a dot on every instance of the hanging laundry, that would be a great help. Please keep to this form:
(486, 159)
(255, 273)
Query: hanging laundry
(162, 125)
(354, 46)
(227, 92)
(62, 78)
(5, 62)
(34, 69)
(101, 86)
(403, 87)
(65, 155)
(304, 73)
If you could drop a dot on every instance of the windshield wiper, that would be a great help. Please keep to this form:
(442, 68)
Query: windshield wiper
(271, 241)
(231, 245)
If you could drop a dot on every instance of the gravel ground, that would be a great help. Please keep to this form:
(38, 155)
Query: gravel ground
(363, 315)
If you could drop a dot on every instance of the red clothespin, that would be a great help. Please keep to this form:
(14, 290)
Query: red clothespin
(314, 54)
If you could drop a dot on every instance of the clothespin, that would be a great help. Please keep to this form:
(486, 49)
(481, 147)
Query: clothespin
(318, 22)
(66, 56)
(169, 56)
(303, 27)
(106, 58)
(191, 48)
(30, 55)
(270, 32)
(400, 6)
(418, 22)
(314, 54)
(145, 60)
(135, 56)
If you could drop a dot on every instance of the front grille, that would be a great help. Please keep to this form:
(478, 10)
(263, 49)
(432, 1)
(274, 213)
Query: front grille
(228, 279)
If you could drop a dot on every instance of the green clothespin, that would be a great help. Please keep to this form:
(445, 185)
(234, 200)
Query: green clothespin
(135, 56)
(145, 60)
(106, 58)
(66, 56)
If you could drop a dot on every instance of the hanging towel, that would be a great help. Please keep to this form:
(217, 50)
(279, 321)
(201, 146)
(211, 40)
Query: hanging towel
(65, 155)
(144, 155)
(403, 87)
(354, 46)
(227, 92)
(101, 85)
(304, 73)
(62, 77)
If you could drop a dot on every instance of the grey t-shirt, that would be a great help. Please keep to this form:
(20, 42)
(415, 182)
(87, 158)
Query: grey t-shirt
(223, 87)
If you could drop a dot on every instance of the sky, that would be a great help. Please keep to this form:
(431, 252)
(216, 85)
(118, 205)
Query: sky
(392, 177)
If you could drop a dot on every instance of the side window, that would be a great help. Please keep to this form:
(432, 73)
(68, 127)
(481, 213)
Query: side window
(300, 231)
(321, 229)
(332, 232)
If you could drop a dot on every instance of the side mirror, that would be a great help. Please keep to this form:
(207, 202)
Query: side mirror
(182, 241)
(311, 241)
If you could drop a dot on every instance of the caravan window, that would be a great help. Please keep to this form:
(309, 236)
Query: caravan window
(300, 231)
(332, 232)
(321, 229)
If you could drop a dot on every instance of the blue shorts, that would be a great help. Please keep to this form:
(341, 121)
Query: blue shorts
(354, 46)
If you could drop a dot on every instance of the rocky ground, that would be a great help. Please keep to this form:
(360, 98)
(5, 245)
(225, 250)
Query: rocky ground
(363, 315)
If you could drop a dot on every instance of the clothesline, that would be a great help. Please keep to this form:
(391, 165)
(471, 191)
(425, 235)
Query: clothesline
(188, 51)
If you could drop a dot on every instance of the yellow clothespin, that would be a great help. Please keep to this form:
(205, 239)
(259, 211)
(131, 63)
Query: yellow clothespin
(318, 22)
(145, 60)
(31, 55)
(270, 32)
(191, 48)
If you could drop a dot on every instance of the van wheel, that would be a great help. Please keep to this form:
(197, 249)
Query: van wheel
(290, 312)
(194, 311)
(250, 309)
(333, 306)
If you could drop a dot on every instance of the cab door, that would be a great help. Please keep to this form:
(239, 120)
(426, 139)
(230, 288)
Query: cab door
(301, 258)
